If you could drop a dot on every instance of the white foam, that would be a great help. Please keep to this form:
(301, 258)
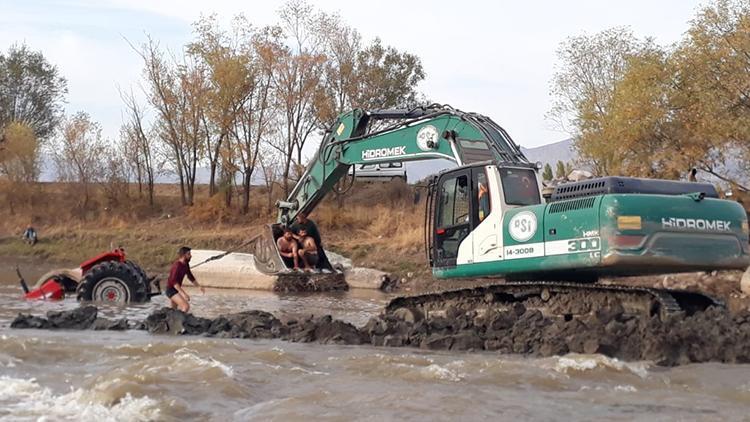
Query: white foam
(575, 362)
(26, 399)
(440, 372)
(249, 412)
(307, 371)
(10, 362)
(626, 388)
(191, 356)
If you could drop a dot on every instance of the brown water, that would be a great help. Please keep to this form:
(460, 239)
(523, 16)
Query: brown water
(86, 375)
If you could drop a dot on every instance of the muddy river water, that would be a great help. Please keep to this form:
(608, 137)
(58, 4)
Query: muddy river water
(92, 375)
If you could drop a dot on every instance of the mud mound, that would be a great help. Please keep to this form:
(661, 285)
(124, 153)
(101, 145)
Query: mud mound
(712, 335)
(299, 281)
(82, 318)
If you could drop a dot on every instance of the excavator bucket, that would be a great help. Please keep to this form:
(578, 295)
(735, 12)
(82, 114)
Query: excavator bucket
(265, 252)
(268, 261)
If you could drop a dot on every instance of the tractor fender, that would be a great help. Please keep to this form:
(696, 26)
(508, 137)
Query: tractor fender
(117, 255)
(73, 276)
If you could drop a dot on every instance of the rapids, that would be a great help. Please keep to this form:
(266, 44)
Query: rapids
(131, 375)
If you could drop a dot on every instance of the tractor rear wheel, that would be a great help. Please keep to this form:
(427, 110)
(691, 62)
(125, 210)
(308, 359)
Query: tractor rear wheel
(114, 282)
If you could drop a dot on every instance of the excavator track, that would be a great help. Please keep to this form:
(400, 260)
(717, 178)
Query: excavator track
(555, 299)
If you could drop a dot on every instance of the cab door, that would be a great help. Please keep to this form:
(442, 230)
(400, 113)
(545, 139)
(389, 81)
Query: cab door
(487, 232)
(453, 219)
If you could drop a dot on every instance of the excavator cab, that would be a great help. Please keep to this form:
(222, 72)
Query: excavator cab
(465, 208)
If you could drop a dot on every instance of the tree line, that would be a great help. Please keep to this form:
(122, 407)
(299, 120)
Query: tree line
(638, 108)
(238, 100)
(243, 100)
(248, 99)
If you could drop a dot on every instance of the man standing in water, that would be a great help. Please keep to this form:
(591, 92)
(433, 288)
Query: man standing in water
(177, 296)
(312, 230)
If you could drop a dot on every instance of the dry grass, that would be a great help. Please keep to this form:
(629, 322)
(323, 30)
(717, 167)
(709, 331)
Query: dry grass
(376, 225)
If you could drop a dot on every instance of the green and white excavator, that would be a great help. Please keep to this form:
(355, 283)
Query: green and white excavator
(487, 219)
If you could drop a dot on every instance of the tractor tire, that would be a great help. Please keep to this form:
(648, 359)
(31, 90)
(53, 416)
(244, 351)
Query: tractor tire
(150, 287)
(114, 282)
(139, 271)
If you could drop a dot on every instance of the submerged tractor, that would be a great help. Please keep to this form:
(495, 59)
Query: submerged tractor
(487, 218)
(108, 277)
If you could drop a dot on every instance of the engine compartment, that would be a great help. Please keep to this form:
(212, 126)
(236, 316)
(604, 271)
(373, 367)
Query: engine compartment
(617, 184)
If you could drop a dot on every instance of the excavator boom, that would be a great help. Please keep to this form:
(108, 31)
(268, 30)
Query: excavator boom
(417, 134)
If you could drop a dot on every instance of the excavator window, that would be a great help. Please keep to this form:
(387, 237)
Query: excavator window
(475, 151)
(483, 207)
(453, 222)
(519, 186)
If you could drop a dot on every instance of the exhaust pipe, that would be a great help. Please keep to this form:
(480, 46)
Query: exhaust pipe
(24, 286)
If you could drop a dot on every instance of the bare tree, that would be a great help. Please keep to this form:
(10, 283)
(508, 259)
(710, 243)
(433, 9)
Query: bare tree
(253, 124)
(115, 181)
(176, 91)
(297, 82)
(19, 163)
(272, 166)
(225, 56)
(139, 151)
(80, 153)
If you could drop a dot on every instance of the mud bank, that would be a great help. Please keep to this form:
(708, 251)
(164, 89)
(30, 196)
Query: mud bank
(712, 335)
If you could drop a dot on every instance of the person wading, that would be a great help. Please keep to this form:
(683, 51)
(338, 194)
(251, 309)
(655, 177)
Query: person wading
(178, 298)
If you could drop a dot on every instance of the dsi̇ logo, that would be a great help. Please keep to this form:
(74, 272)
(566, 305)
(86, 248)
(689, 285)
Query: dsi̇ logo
(522, 226)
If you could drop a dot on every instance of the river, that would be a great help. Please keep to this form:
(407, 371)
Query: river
(92, 375)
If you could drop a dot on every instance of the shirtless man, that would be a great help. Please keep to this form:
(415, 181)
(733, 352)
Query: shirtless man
(312, 231)
(309, 250)
(288, 249)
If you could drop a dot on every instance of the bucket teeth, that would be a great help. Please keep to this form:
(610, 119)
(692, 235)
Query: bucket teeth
(265, 253)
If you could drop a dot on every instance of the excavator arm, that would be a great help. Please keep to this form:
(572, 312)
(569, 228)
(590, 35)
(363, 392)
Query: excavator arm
(416, 134)
(382, 136)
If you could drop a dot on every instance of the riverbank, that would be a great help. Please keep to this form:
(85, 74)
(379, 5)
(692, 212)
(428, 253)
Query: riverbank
(376, 226)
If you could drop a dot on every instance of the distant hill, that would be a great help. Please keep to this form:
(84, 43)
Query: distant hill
(552, 153)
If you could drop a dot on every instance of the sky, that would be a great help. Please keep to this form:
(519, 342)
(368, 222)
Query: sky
(495, 57)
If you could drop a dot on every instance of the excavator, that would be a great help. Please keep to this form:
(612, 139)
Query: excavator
(486, 220)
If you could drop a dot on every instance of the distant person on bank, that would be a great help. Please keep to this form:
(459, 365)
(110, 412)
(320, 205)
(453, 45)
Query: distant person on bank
(178, 298)
(29, 235)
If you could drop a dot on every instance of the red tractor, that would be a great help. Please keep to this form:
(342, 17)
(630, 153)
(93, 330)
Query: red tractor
(108, 277)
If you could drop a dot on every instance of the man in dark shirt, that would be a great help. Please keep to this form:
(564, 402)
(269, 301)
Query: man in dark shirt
(177, 296)
(312, 231)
